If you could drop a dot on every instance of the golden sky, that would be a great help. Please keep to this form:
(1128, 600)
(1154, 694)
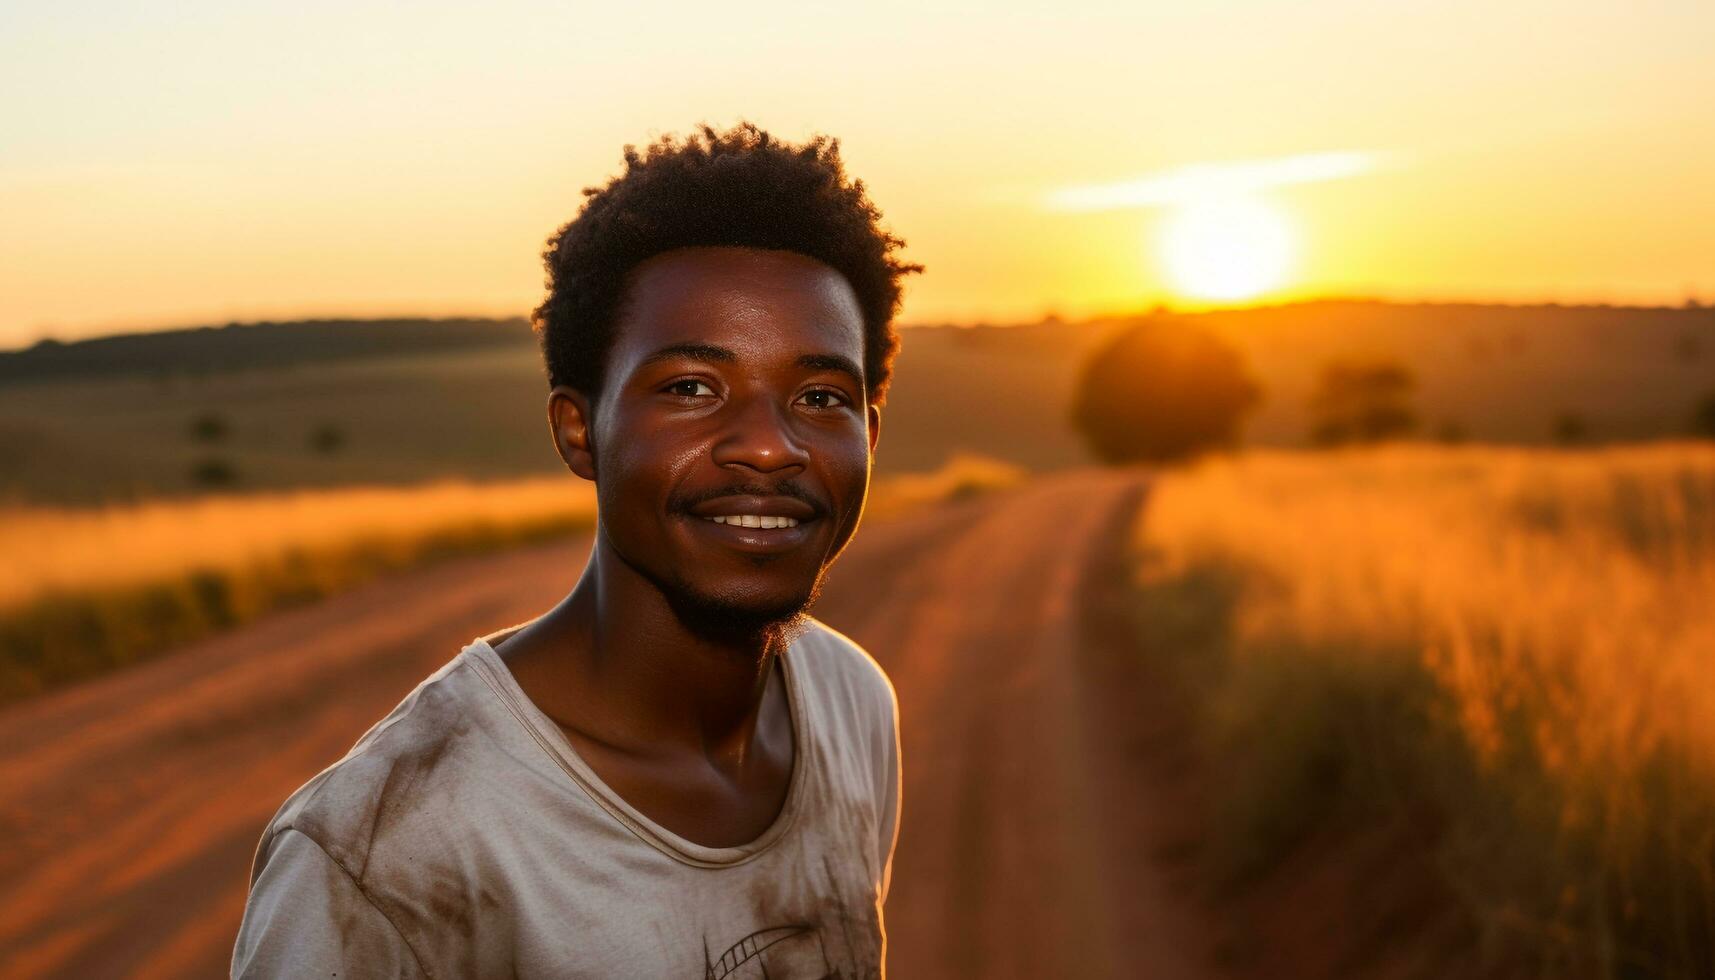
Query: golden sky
(218, 160)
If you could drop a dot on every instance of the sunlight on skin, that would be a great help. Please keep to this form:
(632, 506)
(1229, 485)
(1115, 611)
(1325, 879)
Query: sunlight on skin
(1227, 248)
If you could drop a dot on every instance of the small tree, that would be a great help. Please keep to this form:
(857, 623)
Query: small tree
(208, 427)
(1703, 417)
(1570, 428)
(1362, 402)
(327, 439)
(1451, 432)
(1162, 391)
(213, 471)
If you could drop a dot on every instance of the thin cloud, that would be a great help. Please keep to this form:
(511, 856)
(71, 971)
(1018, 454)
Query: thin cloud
(1205, 180)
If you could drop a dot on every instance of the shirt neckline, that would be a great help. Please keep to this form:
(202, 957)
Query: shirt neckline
(547, 733)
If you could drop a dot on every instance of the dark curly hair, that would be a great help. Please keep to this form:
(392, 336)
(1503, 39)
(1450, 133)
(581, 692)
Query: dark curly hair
(740, 187)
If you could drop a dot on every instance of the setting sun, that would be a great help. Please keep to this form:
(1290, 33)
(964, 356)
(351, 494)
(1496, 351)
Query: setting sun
(1226, 249)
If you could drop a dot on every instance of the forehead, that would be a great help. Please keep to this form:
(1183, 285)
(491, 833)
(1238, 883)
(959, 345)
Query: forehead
(755, 302)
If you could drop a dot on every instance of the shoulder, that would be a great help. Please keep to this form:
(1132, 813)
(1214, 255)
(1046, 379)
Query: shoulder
(832, 659)
(859, 712)
(850, 694)
(306, 916)
(390, 795)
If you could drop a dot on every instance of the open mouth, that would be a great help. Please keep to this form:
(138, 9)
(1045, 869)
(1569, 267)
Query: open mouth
(765, 524)
(768, 521)
(758, 535)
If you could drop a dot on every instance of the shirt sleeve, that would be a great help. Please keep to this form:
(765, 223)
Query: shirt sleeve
(307, 917)
(888, 832)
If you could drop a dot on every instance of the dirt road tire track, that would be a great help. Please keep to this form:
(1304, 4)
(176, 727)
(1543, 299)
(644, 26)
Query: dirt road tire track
(131, 806)
(1016, 857)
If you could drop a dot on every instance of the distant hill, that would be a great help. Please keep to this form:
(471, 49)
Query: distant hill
(1489, 373)
(1484, 373)
(336, 402)
(253, 346)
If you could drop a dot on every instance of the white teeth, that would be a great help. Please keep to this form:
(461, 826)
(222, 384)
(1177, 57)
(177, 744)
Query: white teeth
(755, 520)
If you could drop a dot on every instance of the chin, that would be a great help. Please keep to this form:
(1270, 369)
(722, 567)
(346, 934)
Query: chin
(732, 616)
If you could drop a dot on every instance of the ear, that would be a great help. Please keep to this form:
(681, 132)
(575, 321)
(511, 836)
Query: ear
(569, 419)
(874, 426)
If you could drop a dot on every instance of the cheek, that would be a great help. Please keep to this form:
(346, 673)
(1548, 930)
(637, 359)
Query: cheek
(634, 476)
(847, 476)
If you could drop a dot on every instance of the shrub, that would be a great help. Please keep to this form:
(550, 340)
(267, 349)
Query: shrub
(213, 471)
(327, 439)
(209, 427)
(1162, 391)
(1703, 417)
(1362, 402)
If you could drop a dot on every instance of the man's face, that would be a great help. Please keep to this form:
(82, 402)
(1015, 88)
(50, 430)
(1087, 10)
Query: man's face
(732, 439)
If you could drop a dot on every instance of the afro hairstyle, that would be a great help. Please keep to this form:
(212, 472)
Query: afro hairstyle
(741, 187)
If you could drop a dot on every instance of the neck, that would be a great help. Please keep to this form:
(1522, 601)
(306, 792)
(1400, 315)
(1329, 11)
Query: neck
(658, 678)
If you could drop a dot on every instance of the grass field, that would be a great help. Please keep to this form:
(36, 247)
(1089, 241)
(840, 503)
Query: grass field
(98, 588)
(1513, 651)
(101, 587)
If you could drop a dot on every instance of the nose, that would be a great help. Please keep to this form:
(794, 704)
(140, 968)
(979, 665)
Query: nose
(758, 436)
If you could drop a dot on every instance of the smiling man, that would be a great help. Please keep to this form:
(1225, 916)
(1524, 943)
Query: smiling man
(675, 772)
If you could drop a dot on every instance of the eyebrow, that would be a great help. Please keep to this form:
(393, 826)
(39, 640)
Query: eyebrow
(832, 362)
(695, 352)
(721, 355)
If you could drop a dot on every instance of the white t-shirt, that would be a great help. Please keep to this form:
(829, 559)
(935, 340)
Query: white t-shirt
(463, 836)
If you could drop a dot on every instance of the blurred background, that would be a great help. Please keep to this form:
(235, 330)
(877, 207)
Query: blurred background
(1293, 531)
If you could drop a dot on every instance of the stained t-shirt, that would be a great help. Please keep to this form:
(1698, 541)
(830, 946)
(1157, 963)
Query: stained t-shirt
(463, 836)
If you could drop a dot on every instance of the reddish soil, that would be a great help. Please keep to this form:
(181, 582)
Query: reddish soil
(1040, 820)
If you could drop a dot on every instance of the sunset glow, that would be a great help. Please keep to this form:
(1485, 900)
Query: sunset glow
(1204, 181)
(1226, 249)
(271, 161)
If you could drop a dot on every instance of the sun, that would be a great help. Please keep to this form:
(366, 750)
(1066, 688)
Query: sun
(1229, 248)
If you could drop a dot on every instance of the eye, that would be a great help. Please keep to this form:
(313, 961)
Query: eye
(824, 398)
(689, 388)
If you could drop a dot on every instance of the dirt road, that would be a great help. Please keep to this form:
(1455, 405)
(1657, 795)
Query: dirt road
(130, 807)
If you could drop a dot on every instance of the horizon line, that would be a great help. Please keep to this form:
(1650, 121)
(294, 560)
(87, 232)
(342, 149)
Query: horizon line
(1047, 315)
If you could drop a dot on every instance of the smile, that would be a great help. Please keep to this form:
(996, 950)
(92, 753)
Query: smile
(754, 520)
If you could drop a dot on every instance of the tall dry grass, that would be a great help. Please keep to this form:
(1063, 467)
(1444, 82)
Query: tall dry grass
(83, 591)
(960, 477)
(1513, 648)
(60, 548)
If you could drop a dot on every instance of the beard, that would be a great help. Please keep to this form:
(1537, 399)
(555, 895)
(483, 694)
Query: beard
(730, 620)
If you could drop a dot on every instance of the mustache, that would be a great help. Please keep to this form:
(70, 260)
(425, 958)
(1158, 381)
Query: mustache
(785, 488)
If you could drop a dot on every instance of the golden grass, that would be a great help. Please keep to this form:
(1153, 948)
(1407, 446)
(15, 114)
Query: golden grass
(1521, 642)
(67, 549)
(963, 475)
(85, 590)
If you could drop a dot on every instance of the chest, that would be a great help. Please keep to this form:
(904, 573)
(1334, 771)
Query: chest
(696, 799)
(796, 913)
